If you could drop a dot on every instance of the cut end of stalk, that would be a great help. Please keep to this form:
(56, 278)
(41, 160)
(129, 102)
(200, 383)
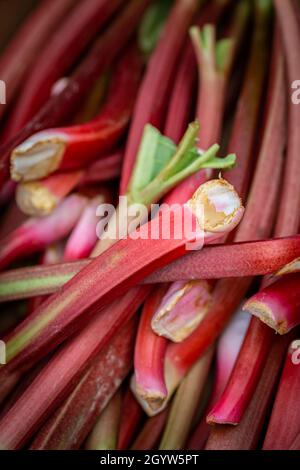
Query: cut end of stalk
(35, 199)
(182, 309)
(264, 313)
(211, 419)
(151, 402)
(37, 157)
(292, 267)
(217, 206)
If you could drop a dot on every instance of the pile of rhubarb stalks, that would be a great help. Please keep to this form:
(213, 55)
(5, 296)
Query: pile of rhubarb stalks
(133, 341)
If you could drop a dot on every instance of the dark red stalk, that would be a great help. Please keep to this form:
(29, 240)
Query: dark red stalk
(22, 50)
(154, 91)
(64, 370)
(35, 235)
(180, 106)
(104, 169)
(247, 434)
(131, 415)
(74, 419)
(59, 54)
(278, 305)
(288, 220)
(151, 432)
(296, 443)
(113, 273)
(213, 262)
(101, 56)
(284, 424)
(69, 148)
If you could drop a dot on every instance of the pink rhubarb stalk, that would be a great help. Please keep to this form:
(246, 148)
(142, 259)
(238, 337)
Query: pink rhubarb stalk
(154, 91)
(60, 106)
(35, 235)
(131, 415)
(118, 269)
(148, 382)
(284, 424)
(212, 262)
(64, 47)
(69, 148)
(69, 363)
(84, 235)
(22, 50)
(278, 305)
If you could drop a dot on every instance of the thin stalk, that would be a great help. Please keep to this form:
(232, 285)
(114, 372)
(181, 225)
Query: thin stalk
(154, 91)
(35, 235)
(284, 424)
(66, 367)
(69, 148)
(247, 434)
(105, 432)
(22, 50)
(278, 304)
(212, 262)
(118, 269)
(62, 50)
(185, 405)
(148, 383)
(151, 432)
(180, 106)
(131, 415)
(60, 106)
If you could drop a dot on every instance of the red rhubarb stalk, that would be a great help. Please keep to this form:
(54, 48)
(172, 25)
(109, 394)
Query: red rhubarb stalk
(22, 50)
(134, 257)
(69, 148)
(104, 169)
(84, 236)
(154, 91)
(247, 434)
(278, 305)
(105, 431)
(61, 51)
(148, 382)
(213, 262)
(151, 432)
(284, 424)
(34, 235)
(60, 106)
(131, 415)
(68, 364)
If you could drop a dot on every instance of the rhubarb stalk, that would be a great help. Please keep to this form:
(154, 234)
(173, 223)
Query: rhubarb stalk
(34, 235)
(69, 148)
(284, 424)
(213, 262)
(105, 432)
(131, 415)
(151, 432)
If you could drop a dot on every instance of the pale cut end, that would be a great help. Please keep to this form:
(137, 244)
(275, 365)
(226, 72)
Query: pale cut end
(264, 313)
(37, 157)
(292, 267)
(217, 206)
(35, 199)
(212, 420)
(182, 309)
(152, 403)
